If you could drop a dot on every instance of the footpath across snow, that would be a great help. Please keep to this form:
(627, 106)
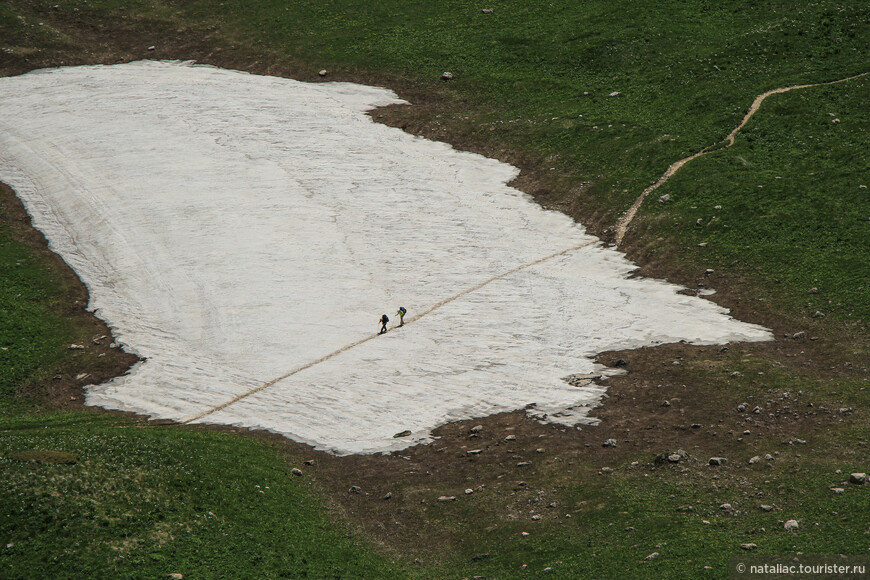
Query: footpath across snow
(233, 229)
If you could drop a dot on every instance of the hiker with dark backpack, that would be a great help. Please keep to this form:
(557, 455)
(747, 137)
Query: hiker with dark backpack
(384, 321)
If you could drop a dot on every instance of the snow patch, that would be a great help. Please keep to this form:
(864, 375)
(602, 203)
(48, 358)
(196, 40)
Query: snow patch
(233, 228)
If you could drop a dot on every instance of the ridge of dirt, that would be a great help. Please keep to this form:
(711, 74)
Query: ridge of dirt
(624, 221)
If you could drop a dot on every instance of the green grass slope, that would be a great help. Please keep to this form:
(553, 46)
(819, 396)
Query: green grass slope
(788, 206)
(145, 502)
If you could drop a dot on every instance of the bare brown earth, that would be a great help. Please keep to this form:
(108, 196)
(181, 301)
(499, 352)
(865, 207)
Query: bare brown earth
(698, 383)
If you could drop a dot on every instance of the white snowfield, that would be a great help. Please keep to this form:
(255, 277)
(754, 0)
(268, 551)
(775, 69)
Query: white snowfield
(244, 234)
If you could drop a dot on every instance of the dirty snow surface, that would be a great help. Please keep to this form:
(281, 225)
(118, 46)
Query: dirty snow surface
(244, 234)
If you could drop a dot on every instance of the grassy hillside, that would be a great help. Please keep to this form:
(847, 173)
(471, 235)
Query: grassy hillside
(781, 218)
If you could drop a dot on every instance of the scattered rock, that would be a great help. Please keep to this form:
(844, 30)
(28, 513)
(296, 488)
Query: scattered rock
(446, 498)
(536, 517)
(539, 450)
(525, 534)
(814, 291)
(510, 438)
(606, 470)
(674, 457)
(835, 121)
(838, 489)
(621, 363)
(725, 507)
(696, 425)
(581, 380)
(768, 457)
(766, 508)
(323, 72)
(741, 407)
(735, 374)
(666, 403)
(756, 410)
(818, 314)
(717, 460)
(476, 429)
(709, 271)
(152, 47)
(524, 463)
(665, 198)
(355, 489)
(614, 94)
(652, 556)
(404, 433)
(387, 495)
(76, 347)
(791, 525)
(858, 478)
(309, 462)
(296, 471)
(754, 460)
(609, 443)
(469, 491)
(798, 335)
(473, 451)
(446, 76)
(487, 11)
(175, 576)
(748, 546)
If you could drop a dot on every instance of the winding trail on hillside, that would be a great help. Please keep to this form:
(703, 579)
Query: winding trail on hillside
(623, 222)
(410, 320)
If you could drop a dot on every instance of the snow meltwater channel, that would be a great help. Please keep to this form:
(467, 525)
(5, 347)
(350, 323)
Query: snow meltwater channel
(244, 234)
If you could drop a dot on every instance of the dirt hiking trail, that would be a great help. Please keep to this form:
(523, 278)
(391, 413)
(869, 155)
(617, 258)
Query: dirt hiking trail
(623, 222)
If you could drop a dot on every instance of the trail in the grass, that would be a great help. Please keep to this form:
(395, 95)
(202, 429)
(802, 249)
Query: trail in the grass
(625, 220)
